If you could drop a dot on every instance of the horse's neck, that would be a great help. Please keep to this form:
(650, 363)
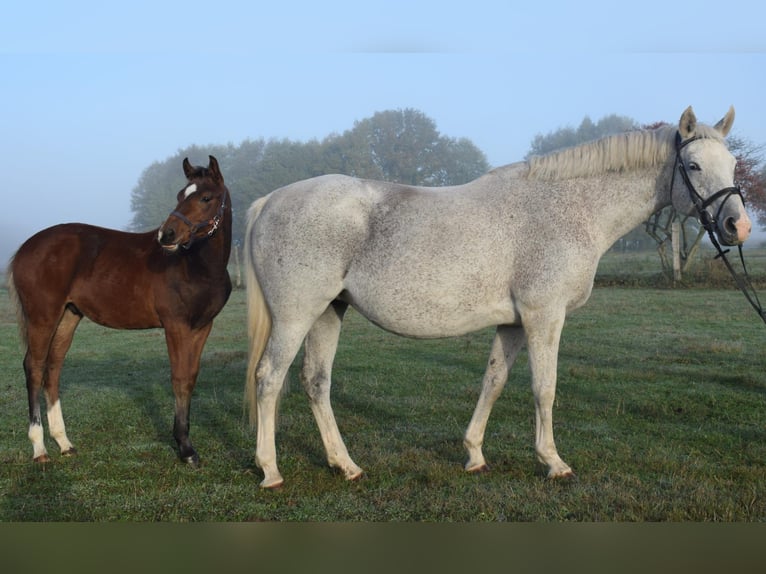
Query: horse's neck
(212, 253)
(621, 202)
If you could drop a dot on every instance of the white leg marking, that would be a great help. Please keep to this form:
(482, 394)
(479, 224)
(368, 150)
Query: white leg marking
(36, 436)
(56, 427)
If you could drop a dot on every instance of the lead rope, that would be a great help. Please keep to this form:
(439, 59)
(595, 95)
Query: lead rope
(708, 222)
(743, 282)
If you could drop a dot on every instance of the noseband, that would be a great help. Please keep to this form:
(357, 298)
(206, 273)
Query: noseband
(214, 223)
(709, 223)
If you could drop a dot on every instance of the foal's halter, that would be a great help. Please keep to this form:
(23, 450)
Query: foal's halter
(709, 223)
(213, 222)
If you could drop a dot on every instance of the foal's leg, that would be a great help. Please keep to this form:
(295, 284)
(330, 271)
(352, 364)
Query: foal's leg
(505, 347)
(185, 349)
(543, 336)
(40, 332)
(321, 344)
(34, 367)
(62, 340)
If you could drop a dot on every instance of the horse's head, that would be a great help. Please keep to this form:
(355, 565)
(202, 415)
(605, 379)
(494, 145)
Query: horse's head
(703, 178)
(200, 210)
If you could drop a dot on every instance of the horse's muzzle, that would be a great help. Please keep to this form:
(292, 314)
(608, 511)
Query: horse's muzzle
(166, 237)
(734, 230)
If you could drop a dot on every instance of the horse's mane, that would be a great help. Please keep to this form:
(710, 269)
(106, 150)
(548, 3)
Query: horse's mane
(616, 153)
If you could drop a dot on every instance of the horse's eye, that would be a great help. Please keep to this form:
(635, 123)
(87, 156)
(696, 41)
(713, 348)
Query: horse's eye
(206, 198)
(693, 165)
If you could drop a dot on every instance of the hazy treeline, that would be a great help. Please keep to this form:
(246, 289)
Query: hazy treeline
(402, 146)
(396, 145)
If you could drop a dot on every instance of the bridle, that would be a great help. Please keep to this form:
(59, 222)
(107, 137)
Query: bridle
(213, 222)
(710, 222)
(701, 204)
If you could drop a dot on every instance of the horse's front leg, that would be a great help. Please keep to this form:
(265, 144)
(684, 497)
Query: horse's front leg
(185, 349)
(543, 335)
(505, 347)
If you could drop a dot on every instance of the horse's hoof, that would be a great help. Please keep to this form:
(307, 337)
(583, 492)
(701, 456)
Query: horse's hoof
(70, 452)
(192, 460)
(43, 458)
(356, 477)
(564, 477)
(276, 485)
(480, 469)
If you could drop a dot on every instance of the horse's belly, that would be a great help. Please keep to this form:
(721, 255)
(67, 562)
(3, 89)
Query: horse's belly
(427, 320)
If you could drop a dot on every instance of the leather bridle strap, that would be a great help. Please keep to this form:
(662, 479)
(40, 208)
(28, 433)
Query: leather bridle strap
(707, 220)
(709, 224)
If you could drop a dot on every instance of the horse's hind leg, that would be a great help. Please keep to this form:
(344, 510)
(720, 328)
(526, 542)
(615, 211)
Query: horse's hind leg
(321, 344)
(281, 348)
(33, 371)
(62, 340)
(47, 344)
(506, 345)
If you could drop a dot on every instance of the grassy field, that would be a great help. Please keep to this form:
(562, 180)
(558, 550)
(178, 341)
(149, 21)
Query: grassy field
(661, 411)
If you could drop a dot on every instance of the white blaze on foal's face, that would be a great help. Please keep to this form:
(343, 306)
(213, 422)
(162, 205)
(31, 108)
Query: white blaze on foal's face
(189, 190)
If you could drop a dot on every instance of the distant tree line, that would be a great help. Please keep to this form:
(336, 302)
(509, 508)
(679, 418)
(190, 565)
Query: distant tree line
(405, 146)
(396, 145)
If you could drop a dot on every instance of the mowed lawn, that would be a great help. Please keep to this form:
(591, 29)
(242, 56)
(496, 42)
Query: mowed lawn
(660, 410)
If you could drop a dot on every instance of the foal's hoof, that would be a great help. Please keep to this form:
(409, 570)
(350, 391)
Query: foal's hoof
(71, 452)
(479, 469)
(192, 460)
(42, 459)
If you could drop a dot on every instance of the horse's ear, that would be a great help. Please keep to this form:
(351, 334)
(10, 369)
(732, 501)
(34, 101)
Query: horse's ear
(688, 123)
(214, 170)
(725, 123)
(188, 168)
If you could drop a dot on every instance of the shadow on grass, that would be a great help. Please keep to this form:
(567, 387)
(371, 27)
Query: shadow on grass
(43, 492)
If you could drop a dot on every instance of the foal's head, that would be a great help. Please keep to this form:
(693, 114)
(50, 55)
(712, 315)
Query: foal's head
(200, 210)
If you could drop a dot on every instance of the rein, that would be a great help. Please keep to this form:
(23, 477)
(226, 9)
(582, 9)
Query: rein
(709, 222)
(214, 223)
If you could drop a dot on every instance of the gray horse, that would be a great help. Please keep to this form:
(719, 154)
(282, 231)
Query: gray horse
(517, 249)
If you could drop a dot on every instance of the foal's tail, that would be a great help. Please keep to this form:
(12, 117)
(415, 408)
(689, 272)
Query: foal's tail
(258, 315)
(13, 295)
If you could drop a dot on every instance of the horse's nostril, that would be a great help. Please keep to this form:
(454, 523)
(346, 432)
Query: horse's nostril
(730, 226)
(167, 236)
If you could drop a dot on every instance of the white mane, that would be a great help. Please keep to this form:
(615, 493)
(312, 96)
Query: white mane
(616, 153)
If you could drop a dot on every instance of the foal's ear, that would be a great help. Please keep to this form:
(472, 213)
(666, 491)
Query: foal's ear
(688, 123)
(725, 123)
(214, 170)
(188, 168)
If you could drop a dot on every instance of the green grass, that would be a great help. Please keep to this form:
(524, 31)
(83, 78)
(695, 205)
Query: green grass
(643, 269)
(661, 411)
